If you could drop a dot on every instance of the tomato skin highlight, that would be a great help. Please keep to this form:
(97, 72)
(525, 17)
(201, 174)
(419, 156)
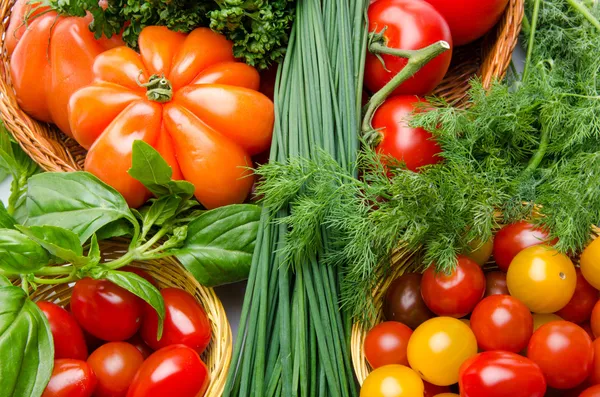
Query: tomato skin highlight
(386, 343)
(69, 341)
(70, 378)
(514, 238)
(403, 301)
(115, 365)
(392, 381)
(579, 309)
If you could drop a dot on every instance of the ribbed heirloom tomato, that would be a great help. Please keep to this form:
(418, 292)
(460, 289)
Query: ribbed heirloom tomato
(187, 97)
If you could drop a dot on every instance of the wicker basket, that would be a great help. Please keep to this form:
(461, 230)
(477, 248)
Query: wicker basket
(169, 273)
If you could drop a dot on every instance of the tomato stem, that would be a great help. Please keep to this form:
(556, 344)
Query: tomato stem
(530, 44)
(158, 88)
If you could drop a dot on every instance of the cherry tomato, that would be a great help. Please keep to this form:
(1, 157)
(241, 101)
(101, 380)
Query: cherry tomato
(68, 337)
(590, 263)
(174, 371)
(106, 310)
(563, 350)
(185, 322)
(495, 283)
(413, 146)
(514, 238)
(595, 376)
(501, 322)
(392, 381)
(501, 374)
(593, 391)
(579, 308)
(115, 365)
(541, 319)
(480, 253)
(434, 390)
(70, 378)
(386, 344)
(454, 295)
(411, 25)
(595, 319)
(542, 278)
(439, 347)
(588, 328)
(137, 341)
(403, 301)
(140, 272)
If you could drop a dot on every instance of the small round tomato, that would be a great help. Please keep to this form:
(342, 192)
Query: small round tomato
(590, 263)
(595, 319)
(185, 322)
(563, 350)
(495, 283)
(115, 365)
(455, 294)
(174, 371)
(386, 344)
(403, 301)
(595, 376)
(439, 347)
(514, 238)
(70, 378)
(541, 319)
(501, 322)
(69, 341)
(593, 391)
(392, 381)
(106, 310)
(432, 390)
(137, 341)
(579, 308)
(480, 252)
(140, 272)
(542, 278)
(501, 374)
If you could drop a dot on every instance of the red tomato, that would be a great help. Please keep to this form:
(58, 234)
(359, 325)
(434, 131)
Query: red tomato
(70, 378)
(432, 390)
(501, 374)
(413, 146)
(115, 365)
(469, 19)
(69, 341)
(595, 319)
(501, 322)
(140, 272)
(411, 25)
(106, 310)
(495, 284)
(593, 391)
(514, 238)
(386, 344)
(454, 295)
(595, 376)
(579, 308)
(185, 322)
(139, 344)
(563, 350)
(174, 371)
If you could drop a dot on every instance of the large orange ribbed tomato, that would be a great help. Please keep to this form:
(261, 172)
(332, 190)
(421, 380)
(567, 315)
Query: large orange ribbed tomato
(186, 96)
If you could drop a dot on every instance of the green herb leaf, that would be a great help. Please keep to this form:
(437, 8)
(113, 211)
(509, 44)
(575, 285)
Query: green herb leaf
(117, 228)
(62, 243)
(219, 245)
(4, 282)
(161, 210)
(26, 345)
(19, 254)
(6, 221)
(94, 252)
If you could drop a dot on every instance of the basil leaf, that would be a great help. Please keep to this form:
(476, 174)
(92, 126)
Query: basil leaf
(62, 243)
(13, 160)
(6, 221)
(26, 345)
(94, 256)
(19, 254)
(4, 282)
(160, 211)
(77, 201)
(219, 244)
(118, 228)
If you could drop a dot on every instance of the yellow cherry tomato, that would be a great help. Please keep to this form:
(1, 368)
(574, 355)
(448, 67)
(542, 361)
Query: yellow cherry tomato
(542, 278)
(481, 253)
(393, 381)
(541, 319)
(589, 262)
(438, 347)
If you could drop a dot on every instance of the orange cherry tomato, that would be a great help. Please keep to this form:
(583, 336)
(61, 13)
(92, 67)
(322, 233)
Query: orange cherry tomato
(386, 344)
(595, 320)
(590, 263)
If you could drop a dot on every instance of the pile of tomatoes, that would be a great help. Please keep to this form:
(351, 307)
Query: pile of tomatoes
(120, 331)
(526, 330)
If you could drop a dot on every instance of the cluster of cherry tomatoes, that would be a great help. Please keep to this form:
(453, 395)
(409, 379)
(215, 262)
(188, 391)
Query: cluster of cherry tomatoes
(526, 330)
(120, 331)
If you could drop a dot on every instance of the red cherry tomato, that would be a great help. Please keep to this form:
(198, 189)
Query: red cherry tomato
(139, 344)
(140, 272)
(432, 390)
(404, 303)
(413, 146)
(174, 371)
(70, 378)
(469, 19)
(595, 319)
(579, 308)
(454, 295)
(411, 25)
(595, 376)
(563, 350)
(501, 374)
(593, 391)
(514, 238)
(386, 344)
(501, 322)
(495, 283)
(106, 310)
(115, 365)
(69, 341)
(185, 322)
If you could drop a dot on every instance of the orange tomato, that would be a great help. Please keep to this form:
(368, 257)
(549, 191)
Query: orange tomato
(186, 96)
(590, 263)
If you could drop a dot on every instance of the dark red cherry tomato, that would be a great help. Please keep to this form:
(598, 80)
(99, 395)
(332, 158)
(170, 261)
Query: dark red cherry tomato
(563, 350)
(432, 390)
(174, 371)
(514, 238)
(386, 343)
(593, 391)
(501, 374)
(115, 365)
(140, 272)
(185, 322)
(501, 322)
(70, 378)
(403, 301)
(495, 283)
(579, 309)
(137, 341)
(411, 25)
(413, 146)
(106, 310)
(69, 341)
(455, 294)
